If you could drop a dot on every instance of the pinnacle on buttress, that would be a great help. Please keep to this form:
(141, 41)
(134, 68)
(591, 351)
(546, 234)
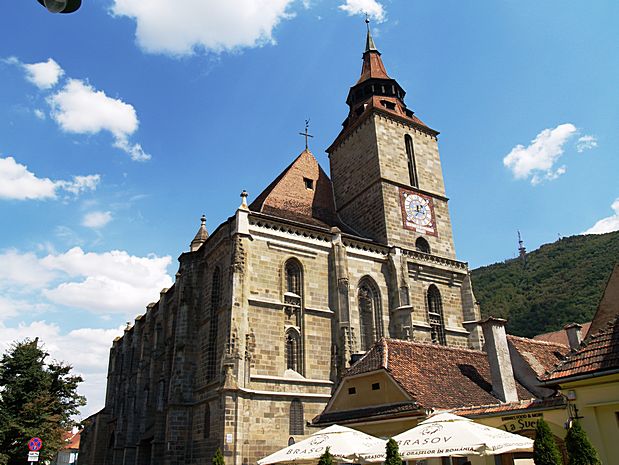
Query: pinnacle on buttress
(201, 235)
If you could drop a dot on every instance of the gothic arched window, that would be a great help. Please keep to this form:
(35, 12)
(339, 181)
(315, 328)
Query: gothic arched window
(211, 349)
(207, 420)
(435, 315)
(296, 417)
(293, 277)
(422, 245)
(410, 153)
(370, 313)
(293, 350)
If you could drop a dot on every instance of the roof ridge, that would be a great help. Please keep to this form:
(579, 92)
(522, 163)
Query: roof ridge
(536, 341)
(433, 344)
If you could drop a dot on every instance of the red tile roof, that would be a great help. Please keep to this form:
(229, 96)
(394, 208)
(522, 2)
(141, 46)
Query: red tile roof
(373, 67)
(598, 354)
(521, 406)
(288, 197)
(72, 441)
(541, 356)
(560, 337)
(435, 376)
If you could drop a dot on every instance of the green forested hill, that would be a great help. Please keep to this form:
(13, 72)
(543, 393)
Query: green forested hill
(561, 282)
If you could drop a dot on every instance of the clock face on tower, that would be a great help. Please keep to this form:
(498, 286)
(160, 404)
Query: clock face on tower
(417, 212)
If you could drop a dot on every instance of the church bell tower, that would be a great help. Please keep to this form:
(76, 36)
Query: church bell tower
(386, 169)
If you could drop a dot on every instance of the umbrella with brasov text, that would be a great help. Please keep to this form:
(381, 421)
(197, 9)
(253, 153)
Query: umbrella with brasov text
(445, 435)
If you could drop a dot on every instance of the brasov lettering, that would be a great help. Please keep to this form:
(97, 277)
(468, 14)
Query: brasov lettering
(305, 451)
(420, 442)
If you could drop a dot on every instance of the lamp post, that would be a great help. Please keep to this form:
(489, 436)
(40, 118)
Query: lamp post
(61, 6)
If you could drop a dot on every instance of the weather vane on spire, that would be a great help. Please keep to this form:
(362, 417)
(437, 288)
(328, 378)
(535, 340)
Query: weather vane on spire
(306, 133)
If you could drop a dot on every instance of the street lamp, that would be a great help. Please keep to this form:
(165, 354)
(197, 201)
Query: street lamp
(61, 6)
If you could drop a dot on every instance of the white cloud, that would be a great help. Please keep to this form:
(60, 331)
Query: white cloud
(608, 224)
(39, 113)
(45, 74)
(86, 349)
(586, 142)
(184, 26)
(107, 282)
(81, 109)
(96, 219)
(538, 159)
(373, 8)
(17, 183)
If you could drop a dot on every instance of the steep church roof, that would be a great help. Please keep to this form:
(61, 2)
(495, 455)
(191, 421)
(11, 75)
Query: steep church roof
(608, 308)
(301, 193)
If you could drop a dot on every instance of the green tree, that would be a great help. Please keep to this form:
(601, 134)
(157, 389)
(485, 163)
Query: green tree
(545, 450)
(392, 453)
(326, 458)
(37, 398)
(579, 449)
(218, 458)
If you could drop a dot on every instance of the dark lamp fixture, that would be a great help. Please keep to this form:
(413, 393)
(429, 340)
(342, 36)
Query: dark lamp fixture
(61, 6)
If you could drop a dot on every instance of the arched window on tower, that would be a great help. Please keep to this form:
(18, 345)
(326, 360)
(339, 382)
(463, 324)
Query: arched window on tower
(296, 418)
(410, 154)
(435, 315)
(211, 348)
(422, 245)
(293, 277)
(370, 313)
(293, 350)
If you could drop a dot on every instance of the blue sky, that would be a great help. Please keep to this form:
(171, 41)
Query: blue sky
(122, 123)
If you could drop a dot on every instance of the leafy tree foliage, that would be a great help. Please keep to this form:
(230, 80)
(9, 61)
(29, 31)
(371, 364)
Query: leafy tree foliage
(545, 450)
(218, 458)
(37, 398)
(326, 458)
(561, 283)
(579, 449)
(392, 453)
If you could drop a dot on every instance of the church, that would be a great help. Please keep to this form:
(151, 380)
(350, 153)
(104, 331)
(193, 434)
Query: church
(270, 309)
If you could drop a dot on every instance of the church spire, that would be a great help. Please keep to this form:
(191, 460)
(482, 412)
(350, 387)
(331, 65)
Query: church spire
(201, 235)
(369, 41)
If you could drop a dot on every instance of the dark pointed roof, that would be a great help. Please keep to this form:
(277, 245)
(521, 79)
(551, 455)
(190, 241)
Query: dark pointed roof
(290, 196)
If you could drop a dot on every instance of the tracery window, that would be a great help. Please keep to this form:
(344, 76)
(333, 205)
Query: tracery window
(435, 315)
(370, 313)
(293, 350)
(296, 417)
(293, 277)
(211, 351)
(410, 153)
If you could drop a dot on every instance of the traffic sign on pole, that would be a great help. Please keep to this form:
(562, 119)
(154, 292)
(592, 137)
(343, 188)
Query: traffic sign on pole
(35, 444)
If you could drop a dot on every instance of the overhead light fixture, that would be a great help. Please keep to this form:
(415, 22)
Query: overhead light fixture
(61, 6)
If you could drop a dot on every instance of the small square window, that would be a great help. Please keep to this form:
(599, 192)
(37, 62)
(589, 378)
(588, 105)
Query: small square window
(375, 386)
(352, 390)
(309, 183)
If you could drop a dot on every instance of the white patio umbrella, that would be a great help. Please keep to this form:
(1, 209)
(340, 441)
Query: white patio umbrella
(345, 444)
(445, 434)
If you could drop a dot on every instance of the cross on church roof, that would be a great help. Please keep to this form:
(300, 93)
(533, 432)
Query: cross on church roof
(306, 133)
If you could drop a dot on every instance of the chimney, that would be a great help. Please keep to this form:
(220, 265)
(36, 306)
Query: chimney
(501, 371)
(574, 337)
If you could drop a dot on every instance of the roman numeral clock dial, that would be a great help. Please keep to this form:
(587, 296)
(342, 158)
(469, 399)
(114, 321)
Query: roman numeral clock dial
(418, 212)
